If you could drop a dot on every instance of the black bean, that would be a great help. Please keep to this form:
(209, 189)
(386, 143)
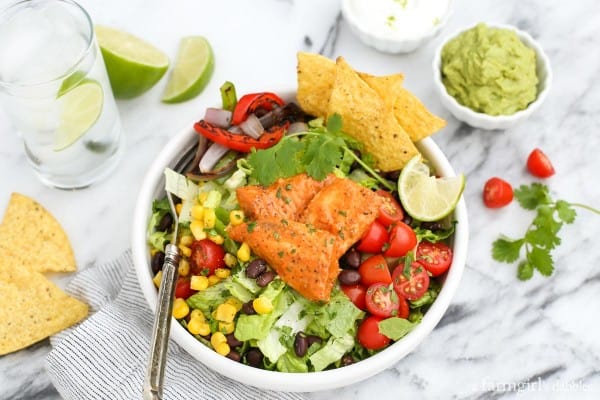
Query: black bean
(313, 339)
(265, 278)
(255, 268)
(351, 259)
(248, 308)
(349, 277)
(232, 341)
(346, 360)
(234, 355)
(300, 344)
(165, 223)
(432, 226)
(407, 219)
(393, 175)
(254, 358)
(158, 259)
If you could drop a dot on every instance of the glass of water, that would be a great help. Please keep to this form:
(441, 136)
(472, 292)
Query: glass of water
(54, 87)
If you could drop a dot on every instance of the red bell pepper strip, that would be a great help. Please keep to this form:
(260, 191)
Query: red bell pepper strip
(240, 142)
(249, 103)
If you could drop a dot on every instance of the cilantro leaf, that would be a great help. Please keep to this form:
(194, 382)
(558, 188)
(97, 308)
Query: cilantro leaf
(541, 260)
(565, 211)
(322, 155)
(543, 238)
(334, 123)
(530, 197)
(525, 271)
(506, 250)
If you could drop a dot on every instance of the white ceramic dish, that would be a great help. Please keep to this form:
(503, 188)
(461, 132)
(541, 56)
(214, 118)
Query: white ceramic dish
(152, 188)
(491, 122)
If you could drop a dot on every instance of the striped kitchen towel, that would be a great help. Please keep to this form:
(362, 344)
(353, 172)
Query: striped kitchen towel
(104, 357)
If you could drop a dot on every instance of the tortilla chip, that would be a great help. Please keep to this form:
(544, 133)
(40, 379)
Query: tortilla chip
(32, 308)
(32, 238)
(414, 116)
(316, 75)
(366, 118)
(386, 86)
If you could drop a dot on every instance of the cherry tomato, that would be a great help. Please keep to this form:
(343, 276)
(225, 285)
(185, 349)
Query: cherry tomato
(390, 212)
(356, 294)
(374, 239)
(539, 164)
(413, 287)
(250, 103)
(435, 257)
(369, 336)
(374, 270)
(183, 289)
(497, 193)
(403, 308)
(206, 257)
(402, 240)
(381, 300)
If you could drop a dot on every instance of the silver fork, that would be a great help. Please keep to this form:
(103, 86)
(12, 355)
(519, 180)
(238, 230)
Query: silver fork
(157, 359)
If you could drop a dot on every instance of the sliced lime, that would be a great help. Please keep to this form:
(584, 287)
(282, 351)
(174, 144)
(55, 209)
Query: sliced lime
(133, 65)
(193, 69)
(425, 197)
(80, 108)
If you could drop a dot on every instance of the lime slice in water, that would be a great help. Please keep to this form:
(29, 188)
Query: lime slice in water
(133, 65)
(81, 107)
(425, 197)
(193, 69)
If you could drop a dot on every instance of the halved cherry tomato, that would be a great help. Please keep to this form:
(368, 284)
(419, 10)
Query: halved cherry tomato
(402, 240)
(382, 300)
(539, 164)
(250, 103)
(435, 257)
(239, 142)
(414, 286)
(374, 239)
(369, 336)
(390, 212)
(206, 257)
(374, 270)
(497, 193)
(183, 289)
(356, 294)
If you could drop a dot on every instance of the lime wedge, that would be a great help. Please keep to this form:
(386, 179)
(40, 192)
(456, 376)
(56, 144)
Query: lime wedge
(425, 197)
(133, 65)
(80, 108)
(193, 69)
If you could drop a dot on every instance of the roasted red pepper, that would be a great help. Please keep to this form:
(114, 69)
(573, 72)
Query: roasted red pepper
(240, 142)
(248, 104)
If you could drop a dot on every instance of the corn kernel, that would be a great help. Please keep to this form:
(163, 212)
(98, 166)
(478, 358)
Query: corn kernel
(157, 278)
(262, 305)
(217, 338)
(230, 260)
(197, 314)
(223, 349)
(199, 282)
(197, 212)
(197, 228)
(226, 327)
(178, 208)
(210, 218)
(184, 267)
(213, 280)
(186, 251)
(195, 326)
(225, 312)
(222, 272)
(202, 197)
(180, 308)
(204, 329)
(186, 240)
(243, 253)
(234, 302)
(236, 217)
(218, 239)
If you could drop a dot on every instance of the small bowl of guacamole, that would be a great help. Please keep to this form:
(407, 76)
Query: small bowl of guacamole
(491, 76)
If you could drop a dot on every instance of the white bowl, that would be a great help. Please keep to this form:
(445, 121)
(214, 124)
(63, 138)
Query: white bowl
(485, 121)
(385, 43)
(152, 188)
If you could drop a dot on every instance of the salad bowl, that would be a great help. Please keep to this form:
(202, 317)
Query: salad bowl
(153, 188)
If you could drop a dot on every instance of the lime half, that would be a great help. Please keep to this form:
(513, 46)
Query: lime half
(425, 197)
(80, 108)
(193, 69)
(133, 65)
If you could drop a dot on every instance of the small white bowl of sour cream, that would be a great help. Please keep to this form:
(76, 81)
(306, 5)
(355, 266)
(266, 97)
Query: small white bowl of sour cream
(396, 26)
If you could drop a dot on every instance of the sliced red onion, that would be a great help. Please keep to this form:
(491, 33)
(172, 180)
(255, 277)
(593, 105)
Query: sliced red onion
(235, 129)
(296, 127)
(211, 157)
(218, 117)
(270, 118)
(200, 150)
(252, 126)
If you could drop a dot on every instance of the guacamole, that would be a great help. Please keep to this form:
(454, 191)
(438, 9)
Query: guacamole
(490, 70)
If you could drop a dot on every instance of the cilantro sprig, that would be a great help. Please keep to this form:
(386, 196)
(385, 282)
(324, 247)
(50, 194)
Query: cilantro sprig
(541, 236)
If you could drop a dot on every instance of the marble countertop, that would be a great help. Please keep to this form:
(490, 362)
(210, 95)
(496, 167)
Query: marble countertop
(499, 334)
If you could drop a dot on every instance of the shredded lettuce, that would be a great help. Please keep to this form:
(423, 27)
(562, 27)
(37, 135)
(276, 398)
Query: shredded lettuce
(336, 318)
(290, 362)
(238, 291)
(158, 240)
(332, 351)
(395, 328)
(183, 188)
(208, 299)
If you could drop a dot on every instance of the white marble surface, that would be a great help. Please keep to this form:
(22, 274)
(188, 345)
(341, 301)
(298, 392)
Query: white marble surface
(499, 331)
